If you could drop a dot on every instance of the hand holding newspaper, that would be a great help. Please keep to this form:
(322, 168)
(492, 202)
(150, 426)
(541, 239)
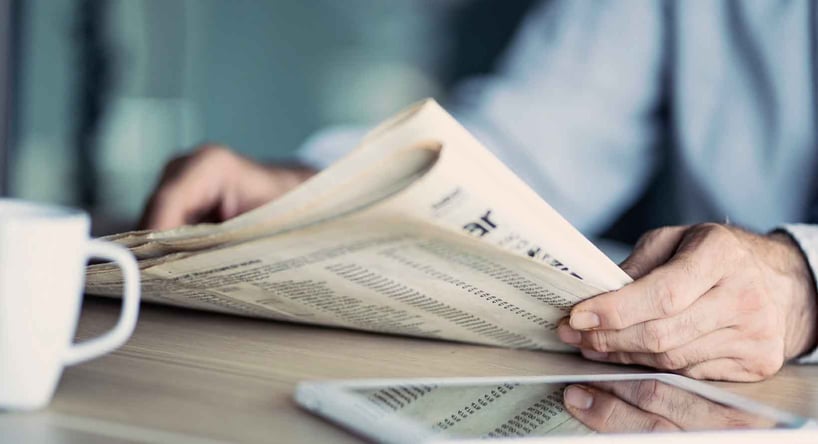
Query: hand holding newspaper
(419, 231)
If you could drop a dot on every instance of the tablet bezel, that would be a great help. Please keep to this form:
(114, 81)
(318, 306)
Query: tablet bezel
(332, 399)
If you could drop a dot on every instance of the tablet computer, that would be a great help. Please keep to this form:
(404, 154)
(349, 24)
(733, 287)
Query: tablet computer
(624, 408)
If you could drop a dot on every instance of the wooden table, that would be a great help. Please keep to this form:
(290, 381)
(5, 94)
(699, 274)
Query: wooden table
(203, 377)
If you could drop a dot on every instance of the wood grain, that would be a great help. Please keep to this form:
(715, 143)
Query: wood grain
(203, 377)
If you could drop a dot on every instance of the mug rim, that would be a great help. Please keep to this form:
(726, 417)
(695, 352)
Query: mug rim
(13, 208)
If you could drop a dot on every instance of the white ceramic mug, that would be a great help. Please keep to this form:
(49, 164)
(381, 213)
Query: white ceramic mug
(43, 253)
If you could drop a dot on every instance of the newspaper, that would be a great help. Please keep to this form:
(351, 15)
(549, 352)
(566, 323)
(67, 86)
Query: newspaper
(419, 231)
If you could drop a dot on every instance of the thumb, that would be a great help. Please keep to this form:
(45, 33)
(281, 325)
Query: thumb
(653, 249)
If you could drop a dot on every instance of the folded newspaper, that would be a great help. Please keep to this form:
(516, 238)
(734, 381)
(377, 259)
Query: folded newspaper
(419, 231)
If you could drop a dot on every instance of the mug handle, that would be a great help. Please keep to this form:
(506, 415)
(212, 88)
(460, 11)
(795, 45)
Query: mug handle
(117, 336)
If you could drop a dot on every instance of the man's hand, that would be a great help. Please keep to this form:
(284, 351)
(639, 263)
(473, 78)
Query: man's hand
(708, 301)
(652, 406)
(213, 184)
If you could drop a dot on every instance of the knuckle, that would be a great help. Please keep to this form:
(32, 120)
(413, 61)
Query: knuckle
(717, 236)
(769, 364)
(621, 357)
(667, 231)
(598, 340)
(713, 230)
(747, 375)
(666, 296)
(650, 236)
(655, 235)
(765, 361)
(208, 159)
(671, 360)
(214, 154)
(694, 372)
(654, 337)
(659, 425)
(648, 395)
(616, 314)
(723, 240)
(612, 417)
(212, 150)
(203, 155)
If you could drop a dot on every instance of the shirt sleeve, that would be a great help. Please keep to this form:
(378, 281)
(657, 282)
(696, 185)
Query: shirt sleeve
(807, 238)
(572, 109)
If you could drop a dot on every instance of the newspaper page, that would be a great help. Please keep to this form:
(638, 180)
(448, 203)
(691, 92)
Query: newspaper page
(453, 249)
(385, 162)
(377, 273)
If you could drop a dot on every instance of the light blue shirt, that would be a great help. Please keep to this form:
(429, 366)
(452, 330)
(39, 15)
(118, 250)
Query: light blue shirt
(592, 96)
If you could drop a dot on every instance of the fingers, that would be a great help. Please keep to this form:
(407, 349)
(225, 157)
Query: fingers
(153, 208)
(686, 410)
(177, 204)
(733, 369)
(726, 354)
(189, 188)
(695, 267)
(652, 250)
(718, 344)
(649, 405)
(715, 307)
(715, 310)
(214, 184)
(604, 412)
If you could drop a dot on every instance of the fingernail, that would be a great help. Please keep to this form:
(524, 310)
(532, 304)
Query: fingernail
(578, 398)
(584, 320)
(568, 335)
(595, 355)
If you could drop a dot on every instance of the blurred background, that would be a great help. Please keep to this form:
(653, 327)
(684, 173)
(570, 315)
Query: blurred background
(98, 94)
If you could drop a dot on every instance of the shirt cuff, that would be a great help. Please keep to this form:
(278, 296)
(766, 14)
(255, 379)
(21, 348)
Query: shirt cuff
(806, 236)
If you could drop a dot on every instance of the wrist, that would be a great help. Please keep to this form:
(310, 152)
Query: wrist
(802, 313)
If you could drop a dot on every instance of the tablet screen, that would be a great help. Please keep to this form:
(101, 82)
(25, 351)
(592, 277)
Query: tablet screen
(523, 409)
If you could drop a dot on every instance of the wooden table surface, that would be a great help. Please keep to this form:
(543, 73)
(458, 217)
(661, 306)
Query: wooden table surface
(202, 377)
